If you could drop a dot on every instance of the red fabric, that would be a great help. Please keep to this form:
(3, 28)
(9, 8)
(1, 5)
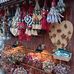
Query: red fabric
(24, 9)
(22, 26)
(28, 38)
(31, 8)
(44, 23)
(2, 12)
(21, 30)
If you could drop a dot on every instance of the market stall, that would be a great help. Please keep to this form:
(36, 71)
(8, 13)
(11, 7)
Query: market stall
(35, 37)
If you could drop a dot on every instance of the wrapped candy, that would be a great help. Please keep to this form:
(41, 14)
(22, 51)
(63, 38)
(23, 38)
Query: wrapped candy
(62, 69)
(48, 66)
(62, 54)
(37, 64)
(20, 70)
(54, 16)
(12, 55)
(60, 6)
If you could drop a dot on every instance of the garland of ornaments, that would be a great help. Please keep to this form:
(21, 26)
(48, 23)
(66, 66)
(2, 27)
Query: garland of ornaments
(38, 19)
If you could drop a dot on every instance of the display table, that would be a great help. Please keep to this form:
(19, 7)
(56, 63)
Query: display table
(31, 66)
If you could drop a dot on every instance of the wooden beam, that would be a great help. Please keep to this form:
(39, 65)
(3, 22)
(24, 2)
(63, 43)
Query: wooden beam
(9, 3)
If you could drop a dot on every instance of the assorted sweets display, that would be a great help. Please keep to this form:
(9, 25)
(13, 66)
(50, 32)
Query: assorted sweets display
(18, 57)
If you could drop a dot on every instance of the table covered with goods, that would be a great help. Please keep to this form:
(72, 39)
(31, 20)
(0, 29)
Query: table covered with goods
(19, 60)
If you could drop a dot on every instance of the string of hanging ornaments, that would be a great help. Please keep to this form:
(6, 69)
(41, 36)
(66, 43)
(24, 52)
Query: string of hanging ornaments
(34, 18)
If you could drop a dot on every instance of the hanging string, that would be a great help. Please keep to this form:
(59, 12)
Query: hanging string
(45, 4)
(53, 3)
(37, 7)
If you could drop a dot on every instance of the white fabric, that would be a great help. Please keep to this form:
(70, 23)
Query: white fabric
(54, 16)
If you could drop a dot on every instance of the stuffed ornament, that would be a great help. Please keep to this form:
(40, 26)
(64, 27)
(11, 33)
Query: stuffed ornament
(29, 21)
(22, 26)
(53, 16)
(20, 70)
(44, 12)
(14, 29)
(21, 31)
(36, 17)
(60, 6)
(28, 18)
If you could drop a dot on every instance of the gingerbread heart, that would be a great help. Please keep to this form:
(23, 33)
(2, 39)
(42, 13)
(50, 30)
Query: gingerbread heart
(61, 34)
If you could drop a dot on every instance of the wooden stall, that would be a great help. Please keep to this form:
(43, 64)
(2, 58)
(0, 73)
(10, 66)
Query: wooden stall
(44, 37)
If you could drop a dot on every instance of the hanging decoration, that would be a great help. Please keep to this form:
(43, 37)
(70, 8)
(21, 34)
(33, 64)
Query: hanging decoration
(14, 29)
(44, 13)
(54, 16)
(28, 19)
(61, 6)
(62, 69)
(4, 20)
(36, 17)
(61, 34)
(21, 24)
(8, 23)
(21, 31)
